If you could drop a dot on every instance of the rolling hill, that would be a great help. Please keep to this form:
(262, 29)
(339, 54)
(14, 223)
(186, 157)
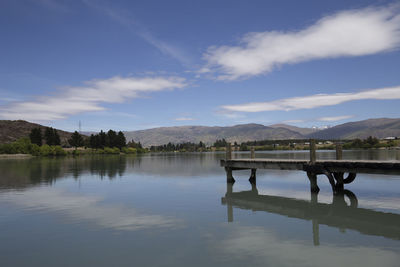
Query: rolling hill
(208, 135)
(13, 130)
(380, 128)
(302, 131)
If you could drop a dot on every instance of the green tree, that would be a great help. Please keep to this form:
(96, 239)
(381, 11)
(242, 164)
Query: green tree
(94, 141)
(111, 138)
(48, 136)
(372, 141)
(102, 139)
(51, 136)
(76, 140)
(121, 140)
(56, 138)
(36, 136)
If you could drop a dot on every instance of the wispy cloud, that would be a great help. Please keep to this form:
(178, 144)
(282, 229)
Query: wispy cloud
(315, 101)
(335, 118)
(126, 19)
(293, 121)
(345, 34)
(74, 100)
(184, 119)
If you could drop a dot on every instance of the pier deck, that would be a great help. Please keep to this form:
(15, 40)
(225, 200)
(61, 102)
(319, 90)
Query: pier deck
(349, 166)
(334, 170)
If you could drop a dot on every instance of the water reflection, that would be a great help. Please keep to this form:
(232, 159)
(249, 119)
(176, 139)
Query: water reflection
(18, 174)
(88, 208)
(342, 213)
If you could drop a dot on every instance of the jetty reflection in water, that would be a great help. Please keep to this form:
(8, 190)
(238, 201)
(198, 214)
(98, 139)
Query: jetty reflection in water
(340, 213)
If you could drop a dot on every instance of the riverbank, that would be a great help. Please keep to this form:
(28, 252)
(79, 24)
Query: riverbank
(15, 156)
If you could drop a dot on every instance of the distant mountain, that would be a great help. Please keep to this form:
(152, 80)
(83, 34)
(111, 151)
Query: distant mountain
(302, 131)
(379, 128)
(13, 130)
(208, 135)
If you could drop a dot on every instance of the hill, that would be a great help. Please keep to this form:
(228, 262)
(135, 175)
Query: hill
(13, 130)
(208, 135)
(379, 128)
(302, 131)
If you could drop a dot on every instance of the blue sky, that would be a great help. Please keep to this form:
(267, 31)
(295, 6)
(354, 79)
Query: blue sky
(130, 65)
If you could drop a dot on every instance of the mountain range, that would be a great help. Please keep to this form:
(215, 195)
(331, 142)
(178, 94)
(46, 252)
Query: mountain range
(380, 128)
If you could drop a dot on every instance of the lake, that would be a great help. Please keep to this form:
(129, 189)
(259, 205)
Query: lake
(177, 210)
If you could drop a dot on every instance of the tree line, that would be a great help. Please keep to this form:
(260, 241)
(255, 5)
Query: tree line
(51, 136)
(109, 139)
(182, 147)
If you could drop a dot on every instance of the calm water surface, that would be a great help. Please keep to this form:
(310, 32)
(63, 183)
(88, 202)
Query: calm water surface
(177, 210)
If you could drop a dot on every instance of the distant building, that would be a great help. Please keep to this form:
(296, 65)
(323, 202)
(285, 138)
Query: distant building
(390, 138)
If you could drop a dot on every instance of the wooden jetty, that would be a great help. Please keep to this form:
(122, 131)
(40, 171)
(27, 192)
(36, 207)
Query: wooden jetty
(334, 170)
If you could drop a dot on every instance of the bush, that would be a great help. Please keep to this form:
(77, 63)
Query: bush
(59, 151)
(129, 150)
(109, 150)
(35, 150)
(46, 150)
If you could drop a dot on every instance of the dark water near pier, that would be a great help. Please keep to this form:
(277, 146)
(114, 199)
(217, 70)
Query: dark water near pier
(177, 210)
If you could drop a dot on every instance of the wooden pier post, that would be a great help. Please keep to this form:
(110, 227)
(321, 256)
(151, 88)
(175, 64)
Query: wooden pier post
(228, 151)
(252, 178)
(313, 182)
(252, 153)
(339, 151)
(313, 154)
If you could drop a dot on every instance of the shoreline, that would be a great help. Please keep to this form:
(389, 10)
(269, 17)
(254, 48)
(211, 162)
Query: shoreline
(15, 156)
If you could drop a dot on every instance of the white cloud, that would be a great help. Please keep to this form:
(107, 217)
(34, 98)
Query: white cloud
(74, 100)
(184, 119)
(345, 34)
(336, 118)
(314, 101)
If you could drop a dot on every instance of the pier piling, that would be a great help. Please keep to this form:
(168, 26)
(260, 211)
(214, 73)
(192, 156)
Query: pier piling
(313, 154)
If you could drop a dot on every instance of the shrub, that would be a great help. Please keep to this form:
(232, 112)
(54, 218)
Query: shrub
(129, 150)
(46, 150)
(59, 151)
(35, 150)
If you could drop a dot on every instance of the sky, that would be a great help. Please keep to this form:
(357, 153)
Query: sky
(131, 65)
